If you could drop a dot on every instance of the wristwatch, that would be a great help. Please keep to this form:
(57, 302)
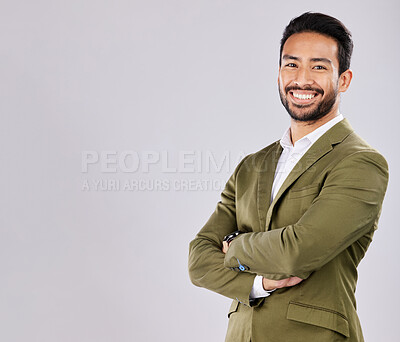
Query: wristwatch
(228, 238)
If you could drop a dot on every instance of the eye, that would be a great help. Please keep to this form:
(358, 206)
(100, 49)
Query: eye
(319, 67)
(291, 65)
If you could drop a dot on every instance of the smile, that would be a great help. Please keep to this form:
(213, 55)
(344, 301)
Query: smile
(303, 96)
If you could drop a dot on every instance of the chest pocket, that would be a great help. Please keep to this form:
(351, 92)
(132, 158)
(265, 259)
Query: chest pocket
(293, 205)
(303, 192)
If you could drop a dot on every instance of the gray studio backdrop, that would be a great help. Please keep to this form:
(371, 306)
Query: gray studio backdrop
(121, 121)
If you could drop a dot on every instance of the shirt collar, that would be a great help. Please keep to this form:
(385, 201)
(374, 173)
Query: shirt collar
(311, 137)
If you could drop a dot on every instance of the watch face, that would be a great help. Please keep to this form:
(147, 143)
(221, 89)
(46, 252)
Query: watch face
(228, 238)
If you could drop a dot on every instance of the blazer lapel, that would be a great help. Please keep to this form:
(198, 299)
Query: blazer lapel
(265, 180)
(321, 147)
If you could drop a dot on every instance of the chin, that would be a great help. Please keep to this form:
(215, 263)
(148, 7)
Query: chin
(301, 115)
(309, 116)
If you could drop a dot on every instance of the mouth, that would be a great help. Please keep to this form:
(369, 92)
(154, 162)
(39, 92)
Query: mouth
(303, 97)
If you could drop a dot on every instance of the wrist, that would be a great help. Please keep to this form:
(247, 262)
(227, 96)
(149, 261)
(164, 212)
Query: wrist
(257, 290)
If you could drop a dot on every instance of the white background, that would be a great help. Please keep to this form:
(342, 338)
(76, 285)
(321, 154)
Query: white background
(160, 76)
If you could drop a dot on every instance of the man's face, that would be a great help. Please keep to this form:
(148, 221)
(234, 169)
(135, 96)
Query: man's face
(309, 83)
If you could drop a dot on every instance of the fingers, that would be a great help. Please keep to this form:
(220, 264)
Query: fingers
(225, 246)
(293, 281)
(269, 284)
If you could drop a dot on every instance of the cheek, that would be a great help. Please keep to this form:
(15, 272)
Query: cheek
(329, 83)
(326, 85)
(330, 87)
(280, 84)
(279, 79)
(283, 81)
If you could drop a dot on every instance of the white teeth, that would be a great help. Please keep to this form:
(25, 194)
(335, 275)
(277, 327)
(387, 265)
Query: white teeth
(303, 97)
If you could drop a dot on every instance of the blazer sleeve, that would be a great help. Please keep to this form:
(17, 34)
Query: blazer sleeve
(347, 207)
(206, 259)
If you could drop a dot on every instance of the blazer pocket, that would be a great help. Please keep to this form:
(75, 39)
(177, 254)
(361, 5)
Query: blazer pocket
(318, 316)
(233, 308)
(306, 191)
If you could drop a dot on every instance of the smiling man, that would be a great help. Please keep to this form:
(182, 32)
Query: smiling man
(296, 218)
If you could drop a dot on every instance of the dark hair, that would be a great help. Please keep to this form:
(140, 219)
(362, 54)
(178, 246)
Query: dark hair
(326, 25)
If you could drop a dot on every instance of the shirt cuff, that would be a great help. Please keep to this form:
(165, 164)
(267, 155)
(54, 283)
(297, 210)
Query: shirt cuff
(258, 290)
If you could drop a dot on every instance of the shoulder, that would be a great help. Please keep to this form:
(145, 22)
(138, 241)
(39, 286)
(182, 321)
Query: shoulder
(260, 161)
(355, 147)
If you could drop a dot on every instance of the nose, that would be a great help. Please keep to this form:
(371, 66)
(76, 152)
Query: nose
(303, 77)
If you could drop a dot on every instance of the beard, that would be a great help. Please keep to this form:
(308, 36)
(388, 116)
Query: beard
(306, 113)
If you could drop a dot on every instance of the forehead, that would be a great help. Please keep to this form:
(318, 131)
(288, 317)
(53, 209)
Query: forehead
(308, 45)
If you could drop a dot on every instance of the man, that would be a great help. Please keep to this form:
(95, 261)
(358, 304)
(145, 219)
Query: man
(305, 207)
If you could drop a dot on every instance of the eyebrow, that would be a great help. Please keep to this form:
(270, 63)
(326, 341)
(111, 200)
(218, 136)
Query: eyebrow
(325, 60)
(316, 59)
(290, 57)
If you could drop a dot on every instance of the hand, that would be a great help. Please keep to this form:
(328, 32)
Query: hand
(225, 246)
(269, 284)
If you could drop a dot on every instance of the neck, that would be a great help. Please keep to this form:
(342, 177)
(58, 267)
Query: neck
(299, 129)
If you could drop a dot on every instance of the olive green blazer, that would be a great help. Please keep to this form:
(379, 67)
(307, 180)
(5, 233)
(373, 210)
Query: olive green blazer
(318, 227)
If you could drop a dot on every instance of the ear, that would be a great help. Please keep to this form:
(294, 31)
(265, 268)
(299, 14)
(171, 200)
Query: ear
(345, 80)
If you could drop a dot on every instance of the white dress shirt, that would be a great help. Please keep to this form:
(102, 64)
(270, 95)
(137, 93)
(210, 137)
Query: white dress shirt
(287, 161)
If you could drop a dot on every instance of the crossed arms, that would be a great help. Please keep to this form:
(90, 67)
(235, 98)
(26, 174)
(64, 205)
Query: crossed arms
(346, 208)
